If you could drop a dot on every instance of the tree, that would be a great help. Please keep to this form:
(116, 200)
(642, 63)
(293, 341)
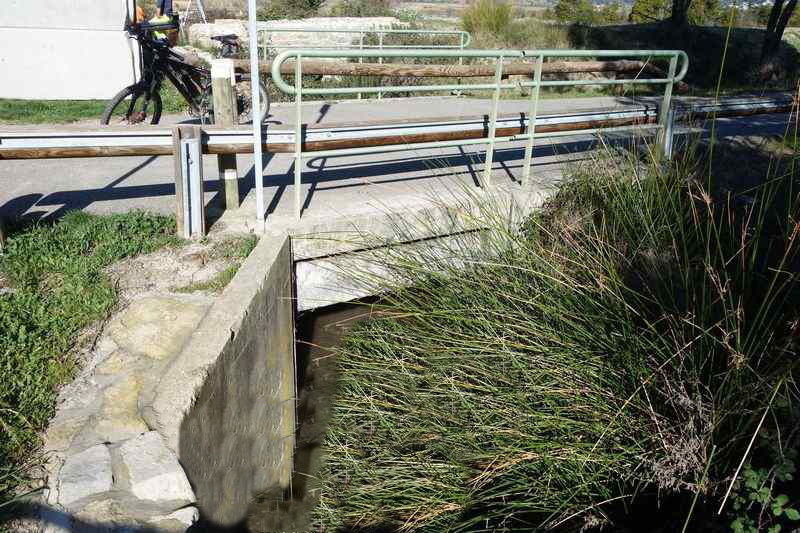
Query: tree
(574, 12)
(644, 11)
(680, 13)
(699, 11)
(779, 16)
(611, 13)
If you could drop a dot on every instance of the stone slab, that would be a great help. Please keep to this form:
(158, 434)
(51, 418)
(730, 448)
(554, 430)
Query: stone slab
(84, 477)
(154, 475)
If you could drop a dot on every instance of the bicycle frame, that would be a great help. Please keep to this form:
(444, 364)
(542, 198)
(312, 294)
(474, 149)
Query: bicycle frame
(157, 61)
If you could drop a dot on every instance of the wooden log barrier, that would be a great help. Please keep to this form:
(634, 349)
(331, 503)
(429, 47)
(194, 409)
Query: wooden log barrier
(516, 68)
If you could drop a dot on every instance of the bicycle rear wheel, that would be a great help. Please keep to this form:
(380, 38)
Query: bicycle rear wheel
(128, 108)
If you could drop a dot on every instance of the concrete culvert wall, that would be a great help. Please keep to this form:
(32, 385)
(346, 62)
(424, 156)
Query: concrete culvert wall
(226, 405)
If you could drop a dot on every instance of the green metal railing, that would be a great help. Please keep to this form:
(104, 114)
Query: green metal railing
(673, 75)
(464, 39)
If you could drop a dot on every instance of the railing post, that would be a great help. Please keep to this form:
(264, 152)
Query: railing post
(663, 137)
(489, 160)
(533, 111)
(190, 207)
(669, 134)
(360, 59)
(223, 83)
(298, 134)
(460, 58)
(380, 59)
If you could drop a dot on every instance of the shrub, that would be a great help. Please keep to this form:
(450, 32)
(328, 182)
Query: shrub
(288, 9)
(487, 16)
(363, 8)
(625, 343)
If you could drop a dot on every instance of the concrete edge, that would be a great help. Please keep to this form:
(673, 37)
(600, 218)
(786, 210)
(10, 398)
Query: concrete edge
(165, 406)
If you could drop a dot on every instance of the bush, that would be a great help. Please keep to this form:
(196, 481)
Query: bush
(621, 346)
(487, 16)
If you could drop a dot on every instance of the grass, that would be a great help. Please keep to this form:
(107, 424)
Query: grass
(577, 370)
(66, 111)
(233, 250)
(56, 288)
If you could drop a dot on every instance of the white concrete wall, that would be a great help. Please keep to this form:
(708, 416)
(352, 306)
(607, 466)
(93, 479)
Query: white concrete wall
(52, 49)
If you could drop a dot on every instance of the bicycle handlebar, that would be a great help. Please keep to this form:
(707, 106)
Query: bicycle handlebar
(141, 27)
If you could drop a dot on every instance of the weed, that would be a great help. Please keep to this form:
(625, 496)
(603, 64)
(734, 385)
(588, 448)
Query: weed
(233, 250)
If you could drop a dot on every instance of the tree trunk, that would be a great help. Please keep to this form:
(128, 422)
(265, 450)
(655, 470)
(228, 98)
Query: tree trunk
(680, 13)
(778, 20)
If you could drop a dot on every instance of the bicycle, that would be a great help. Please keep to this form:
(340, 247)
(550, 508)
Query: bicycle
(141, 102)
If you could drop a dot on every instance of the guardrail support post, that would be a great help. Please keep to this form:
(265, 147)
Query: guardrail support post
(223, 88)
(532, 112)
(489, 159)
(190, 210)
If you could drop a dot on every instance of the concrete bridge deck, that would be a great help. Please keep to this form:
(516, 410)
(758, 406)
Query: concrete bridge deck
(333, 187)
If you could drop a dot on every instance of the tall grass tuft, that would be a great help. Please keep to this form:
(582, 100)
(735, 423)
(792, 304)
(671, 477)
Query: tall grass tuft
(556, 371)
(487, 16)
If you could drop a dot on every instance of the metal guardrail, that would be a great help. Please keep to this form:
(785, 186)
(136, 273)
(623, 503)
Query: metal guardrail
(393, 137)
(317, 140)
(377, 138)
(464, 39)
(497, 86)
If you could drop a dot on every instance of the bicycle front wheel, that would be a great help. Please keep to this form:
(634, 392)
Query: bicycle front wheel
(245, 103)
(132, 106)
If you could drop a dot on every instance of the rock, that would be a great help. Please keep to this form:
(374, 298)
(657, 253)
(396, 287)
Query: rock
(155, 477)
(200, 34)
(62, 431)
(119, 418)
(180, 520)
(157, 326)
(85, 477)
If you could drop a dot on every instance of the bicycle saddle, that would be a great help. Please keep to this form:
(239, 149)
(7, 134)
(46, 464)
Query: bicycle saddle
(230, 38)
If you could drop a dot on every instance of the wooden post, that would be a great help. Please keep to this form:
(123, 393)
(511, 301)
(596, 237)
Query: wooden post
(2, 233)
(225, 114)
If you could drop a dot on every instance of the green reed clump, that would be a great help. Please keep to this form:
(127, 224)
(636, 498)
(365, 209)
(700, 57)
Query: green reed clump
(552, 371)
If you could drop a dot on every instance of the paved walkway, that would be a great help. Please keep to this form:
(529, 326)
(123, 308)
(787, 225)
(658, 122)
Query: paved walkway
(331, 186)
